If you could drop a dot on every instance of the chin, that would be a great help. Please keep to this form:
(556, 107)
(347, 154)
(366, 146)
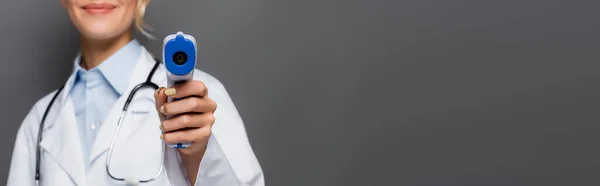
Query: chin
(95, 35)
(101, 32)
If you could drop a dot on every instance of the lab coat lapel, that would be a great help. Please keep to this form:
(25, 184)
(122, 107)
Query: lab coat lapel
(105, 134)
(61, 139)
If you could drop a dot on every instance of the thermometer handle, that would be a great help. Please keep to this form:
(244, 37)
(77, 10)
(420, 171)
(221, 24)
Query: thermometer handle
(176, 145)
(179, 56)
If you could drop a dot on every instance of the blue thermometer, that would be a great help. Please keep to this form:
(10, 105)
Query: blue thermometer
(179, 56)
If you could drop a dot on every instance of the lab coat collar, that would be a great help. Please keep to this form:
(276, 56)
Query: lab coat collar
(61, 140)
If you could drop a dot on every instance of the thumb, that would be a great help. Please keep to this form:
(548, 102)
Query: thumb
(160, 99)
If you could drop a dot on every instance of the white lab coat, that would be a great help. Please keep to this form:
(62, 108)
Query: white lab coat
(229, 159)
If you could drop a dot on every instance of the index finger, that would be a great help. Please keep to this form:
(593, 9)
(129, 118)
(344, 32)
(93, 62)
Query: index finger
(187, 89)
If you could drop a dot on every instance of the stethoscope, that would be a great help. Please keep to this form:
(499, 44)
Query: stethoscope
(147, 83)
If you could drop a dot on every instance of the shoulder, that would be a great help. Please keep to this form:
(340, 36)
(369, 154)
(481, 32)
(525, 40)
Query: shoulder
(41, 104)
(31, 121)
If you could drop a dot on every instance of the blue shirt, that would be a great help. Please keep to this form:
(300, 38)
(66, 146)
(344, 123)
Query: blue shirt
(95, 91)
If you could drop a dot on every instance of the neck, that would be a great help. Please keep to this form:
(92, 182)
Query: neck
(94, 52)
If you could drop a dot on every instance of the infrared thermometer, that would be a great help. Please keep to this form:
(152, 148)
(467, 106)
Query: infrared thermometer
(179, 56)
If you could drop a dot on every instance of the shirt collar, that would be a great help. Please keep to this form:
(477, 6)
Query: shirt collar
(117, 69)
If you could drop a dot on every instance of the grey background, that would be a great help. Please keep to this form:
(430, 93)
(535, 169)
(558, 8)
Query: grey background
(378, 92)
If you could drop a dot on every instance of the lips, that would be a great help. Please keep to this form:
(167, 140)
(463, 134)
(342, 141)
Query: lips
(99, 8)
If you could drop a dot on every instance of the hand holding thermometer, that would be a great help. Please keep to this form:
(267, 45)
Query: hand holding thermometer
(179, 56)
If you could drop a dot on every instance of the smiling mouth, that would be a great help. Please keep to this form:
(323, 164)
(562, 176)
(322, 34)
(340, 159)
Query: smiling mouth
(99, 8)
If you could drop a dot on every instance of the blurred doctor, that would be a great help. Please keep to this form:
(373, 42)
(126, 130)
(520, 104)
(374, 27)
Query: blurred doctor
(80, 123)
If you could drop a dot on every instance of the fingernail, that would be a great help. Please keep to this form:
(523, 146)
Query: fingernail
(161, 136)
(162, 109)
(160, 126)
(170, 91)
